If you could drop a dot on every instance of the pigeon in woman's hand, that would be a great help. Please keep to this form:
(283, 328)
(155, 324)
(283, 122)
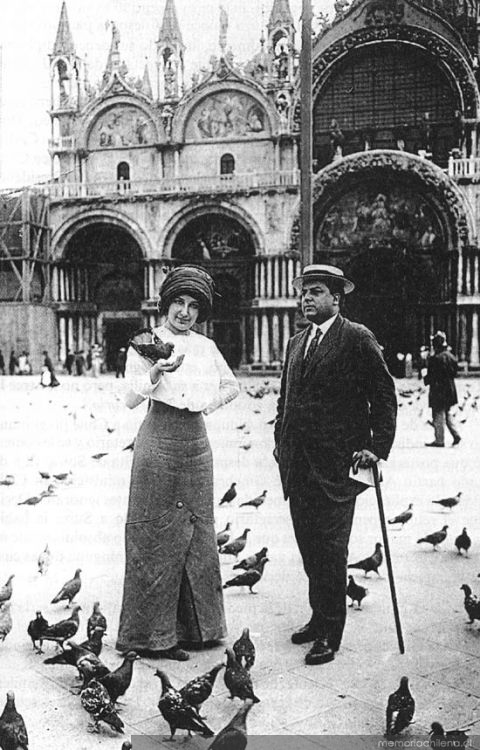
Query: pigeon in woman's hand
(13, 732)
(150, 346)
(69, 589)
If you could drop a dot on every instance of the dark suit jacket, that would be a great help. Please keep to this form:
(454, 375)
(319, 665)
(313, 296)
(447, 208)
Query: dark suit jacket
(344, 402)
(442, 368)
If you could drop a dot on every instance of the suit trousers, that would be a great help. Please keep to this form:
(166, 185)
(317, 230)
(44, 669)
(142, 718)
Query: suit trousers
(442, 417)
(322, 529)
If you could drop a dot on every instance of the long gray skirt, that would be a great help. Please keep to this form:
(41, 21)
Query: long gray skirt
(172, 588)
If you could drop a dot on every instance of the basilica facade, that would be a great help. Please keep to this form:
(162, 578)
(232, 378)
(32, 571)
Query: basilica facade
(155, 171)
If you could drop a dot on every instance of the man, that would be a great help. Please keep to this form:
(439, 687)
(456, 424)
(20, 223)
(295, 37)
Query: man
(48, 367)
(337, 405)
(441, 371)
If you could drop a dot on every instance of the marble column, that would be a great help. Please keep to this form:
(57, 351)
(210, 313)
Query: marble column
(277, 292)
(54, 283)
(243, 339)
(81, 341)
(176, 163)
(62, 335)
(462, 336)
(71, 343)
(286, 331)
(151, 281)
(265, 340)
(269, 281)
(256, 342)
(276, 351)
(474, 349)
(262, 279)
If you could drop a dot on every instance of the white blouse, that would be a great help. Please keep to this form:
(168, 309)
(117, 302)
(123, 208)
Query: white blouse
(203, 382)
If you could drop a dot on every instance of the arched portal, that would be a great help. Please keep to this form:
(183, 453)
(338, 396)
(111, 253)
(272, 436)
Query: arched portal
(112, 261)
(226, 249)
(395, 225)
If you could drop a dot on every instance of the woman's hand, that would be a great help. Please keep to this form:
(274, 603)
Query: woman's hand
(161, 366)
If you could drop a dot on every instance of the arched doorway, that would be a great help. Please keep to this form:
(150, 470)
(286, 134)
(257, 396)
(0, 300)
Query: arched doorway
(113, 262)
(226, 249)
(393, 237)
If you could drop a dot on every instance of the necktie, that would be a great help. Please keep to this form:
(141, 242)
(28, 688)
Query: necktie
(312, 348)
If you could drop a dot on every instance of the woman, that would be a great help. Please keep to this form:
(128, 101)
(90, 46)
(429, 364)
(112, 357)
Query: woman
(172, 589)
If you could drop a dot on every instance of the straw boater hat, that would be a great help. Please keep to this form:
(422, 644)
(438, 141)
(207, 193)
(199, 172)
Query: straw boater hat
(320, 271)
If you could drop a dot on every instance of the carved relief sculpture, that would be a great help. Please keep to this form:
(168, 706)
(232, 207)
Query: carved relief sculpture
(226, 115)
(122, 127)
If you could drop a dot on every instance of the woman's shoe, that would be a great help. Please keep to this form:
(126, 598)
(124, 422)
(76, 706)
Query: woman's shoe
(174, 652)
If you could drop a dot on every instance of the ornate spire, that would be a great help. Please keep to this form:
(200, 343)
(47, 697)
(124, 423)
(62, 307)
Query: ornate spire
(281, 15)
(146, 84)
(113, 60)
(64, 41)
(170, 31)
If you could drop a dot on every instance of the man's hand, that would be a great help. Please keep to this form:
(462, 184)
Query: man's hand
(363, 459)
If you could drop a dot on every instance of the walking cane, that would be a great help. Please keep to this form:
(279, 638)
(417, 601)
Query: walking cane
(386, 547)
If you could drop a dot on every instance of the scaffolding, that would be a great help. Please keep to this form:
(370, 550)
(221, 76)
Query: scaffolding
(24, 246)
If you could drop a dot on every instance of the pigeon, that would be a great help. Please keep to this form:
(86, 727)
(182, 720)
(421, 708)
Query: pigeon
(449, 502)
(441, 740)
(246, 446)
(127, 745)
(69, 589)
(44, 474)
(370, 563)
(249, 577)
(35, 500)
(244, 650)
(35, 630)
(464, 542)
(13, 732)
(234, 735)
(238, 680)
(355, 592)
(110, 430)
(200, 688)
(471, 604)
(257, 501)
(96, 620)
(73, 653)
(90, 666)
(119, 680)
(436, 538)
(64, 475)
(235, 547)
(8, 480)
(400, 709)
(251, 562)
(156, 350)
(230, 494)
(43, 561)
(5, 620)
(98, 456)
(62, 630)
(177, 712)
(403, 517)
(6, 591)
(96, 702)
(223, 536)
(130, 446)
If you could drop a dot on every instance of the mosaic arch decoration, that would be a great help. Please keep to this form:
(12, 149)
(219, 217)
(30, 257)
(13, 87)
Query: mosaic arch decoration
(122, 126)
(381, 213)
(227, 114)
(437, 47)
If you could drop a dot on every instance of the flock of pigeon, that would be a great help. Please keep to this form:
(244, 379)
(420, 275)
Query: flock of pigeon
(101, 687)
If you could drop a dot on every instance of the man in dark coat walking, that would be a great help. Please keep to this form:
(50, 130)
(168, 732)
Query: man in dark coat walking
(337, 406)
(442, 368)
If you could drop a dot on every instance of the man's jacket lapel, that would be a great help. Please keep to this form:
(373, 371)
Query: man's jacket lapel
(325, 345)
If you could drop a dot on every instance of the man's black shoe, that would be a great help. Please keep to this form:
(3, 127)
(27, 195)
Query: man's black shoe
(456, 440)
(304, 635)
(320, 653)
(435, 445)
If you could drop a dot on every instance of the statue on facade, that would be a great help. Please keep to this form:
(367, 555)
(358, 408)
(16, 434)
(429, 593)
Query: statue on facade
(223, 29)
(170, 76)
(337, 140)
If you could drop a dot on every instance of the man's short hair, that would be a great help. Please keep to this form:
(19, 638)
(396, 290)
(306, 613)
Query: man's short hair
(335, 286)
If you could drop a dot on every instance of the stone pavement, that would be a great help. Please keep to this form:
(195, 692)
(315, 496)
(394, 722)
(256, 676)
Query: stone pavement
(59, 430)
